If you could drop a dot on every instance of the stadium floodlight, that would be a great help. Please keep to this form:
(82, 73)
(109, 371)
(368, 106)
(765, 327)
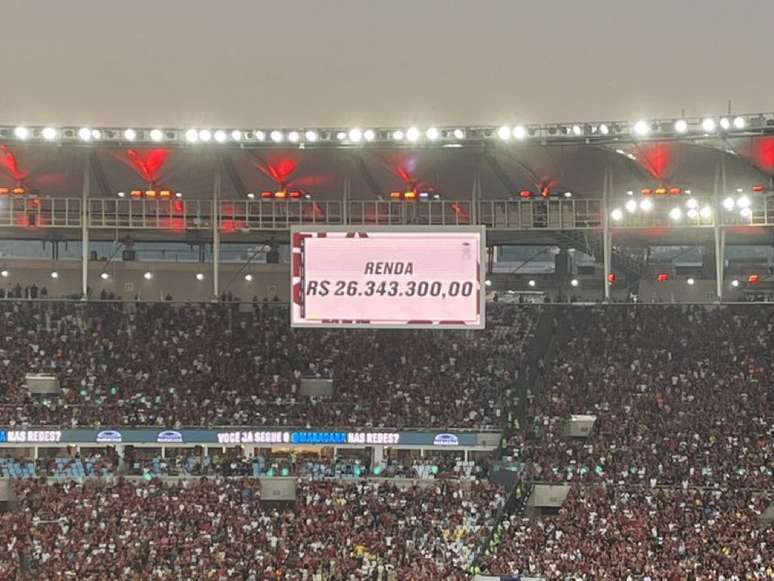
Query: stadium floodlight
(743, 202)
(691, 281)
(199, 276)
(192, 136)
(49, 133)
(504, 133)
(735, 283)
(577, 130)
(220, 136)
(692, 214)
(311, 136)
(729, 203)
(725, 123)
(236, 135)
(121, 194)
(355, 135)
(148, 275)
(293, 137)
(519, 132)
(104, 276)
(276, 136)
(96, 134)
(646, 205)
(205, 135)
(739, 190)
(739, 123)
(574, 282)
(178, 194)
(631, 206)
(369, 135)
(568, 195)
(21, 133)
(641, 128)
(157, 135)
(130, 134)
(745, 213)
(676, 214)
(341, 135)
(84, 133)
(251, 196)
(459, 134)
(617, 214)
(249, 277)
(708, 125)
(681, 126)
(54, 274)
(398, 135)
(692, 203)
(259, 135)
(412, 134)
(705, 212)
(531, 283)
(488, 282)
(604, 129)
(5, 273)
(432, 133)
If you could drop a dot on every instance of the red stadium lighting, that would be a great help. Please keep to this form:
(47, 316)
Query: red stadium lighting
(267, 194)
(165, 194)
(660, 191)
(150, 194)
(753, 279)
(294, 194)
(136, 194)
(758, 189)
(611, 278)
(526, 194)
(545, 192)
(280, 195)
(675, 191)
(662, 277)
(4, 191)
(646, 191)
(19, 191)
(395, 195)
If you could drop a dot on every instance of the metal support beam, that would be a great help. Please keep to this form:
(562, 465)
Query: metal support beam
(719, 231)
(85, 190)
(607, 237)
(216, 230)
(475, 197)
(346, 196)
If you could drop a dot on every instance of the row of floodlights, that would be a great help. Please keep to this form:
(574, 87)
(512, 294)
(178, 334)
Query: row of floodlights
(694, 209)
(106, 276)
(641, 128)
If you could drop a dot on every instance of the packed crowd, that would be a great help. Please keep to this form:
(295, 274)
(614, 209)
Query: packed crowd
(162, 364)
(634, 532)
(681, 395)
(221, 530)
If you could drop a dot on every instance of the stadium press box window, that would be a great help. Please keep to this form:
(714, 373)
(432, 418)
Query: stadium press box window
(386, 277)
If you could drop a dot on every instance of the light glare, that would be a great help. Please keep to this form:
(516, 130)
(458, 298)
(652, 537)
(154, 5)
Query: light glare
(681, 126)
(130, 134)
(157, 135)
(641, 128)
(412, 134)
(49, 133)
(676, 214)
(21, 133)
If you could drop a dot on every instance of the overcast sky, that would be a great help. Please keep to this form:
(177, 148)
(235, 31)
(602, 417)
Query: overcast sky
(338, 63)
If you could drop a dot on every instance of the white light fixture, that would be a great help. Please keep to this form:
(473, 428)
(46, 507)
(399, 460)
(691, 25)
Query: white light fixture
(148, 275)
(646, 205)
(412, 134)
(725, 123)
(519, 132)
(691, 281)
(504, 133)
(488, 282)
(276, 136)
(341, 135)
(432, 133)
(735, 283)
(192, 136)
(259, 135)
(249, 277)
(459, 134)
(310, 136)
(293, 137)
(617, 214)
(4, 273)
(739, 123)
(641, 128)
(743, 202)
(199, 276)
(745, 213)
(568, 195)
(692, 214)
(398, 135)
(676, 214)
(631, 206)
(130, 134)
(84, 133)
(251, 196)
(705, 212)
(205, 135)
(236, 135)
(55, 274)
(369, 135)
(49, 133)
(21, 133)
(121, 194)
(729, 203)
(532, 283)
(692, 203)
(577, 130)
(178, 194)
(681, 126)
(604, 129)
(220, 136)
(104, 276)
(157, 135)
(574, 282)
(739, 190)
(708, 125)
(96, 134)
(355, 135)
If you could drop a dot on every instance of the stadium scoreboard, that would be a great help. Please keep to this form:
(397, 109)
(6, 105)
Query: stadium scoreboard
(388, 277)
